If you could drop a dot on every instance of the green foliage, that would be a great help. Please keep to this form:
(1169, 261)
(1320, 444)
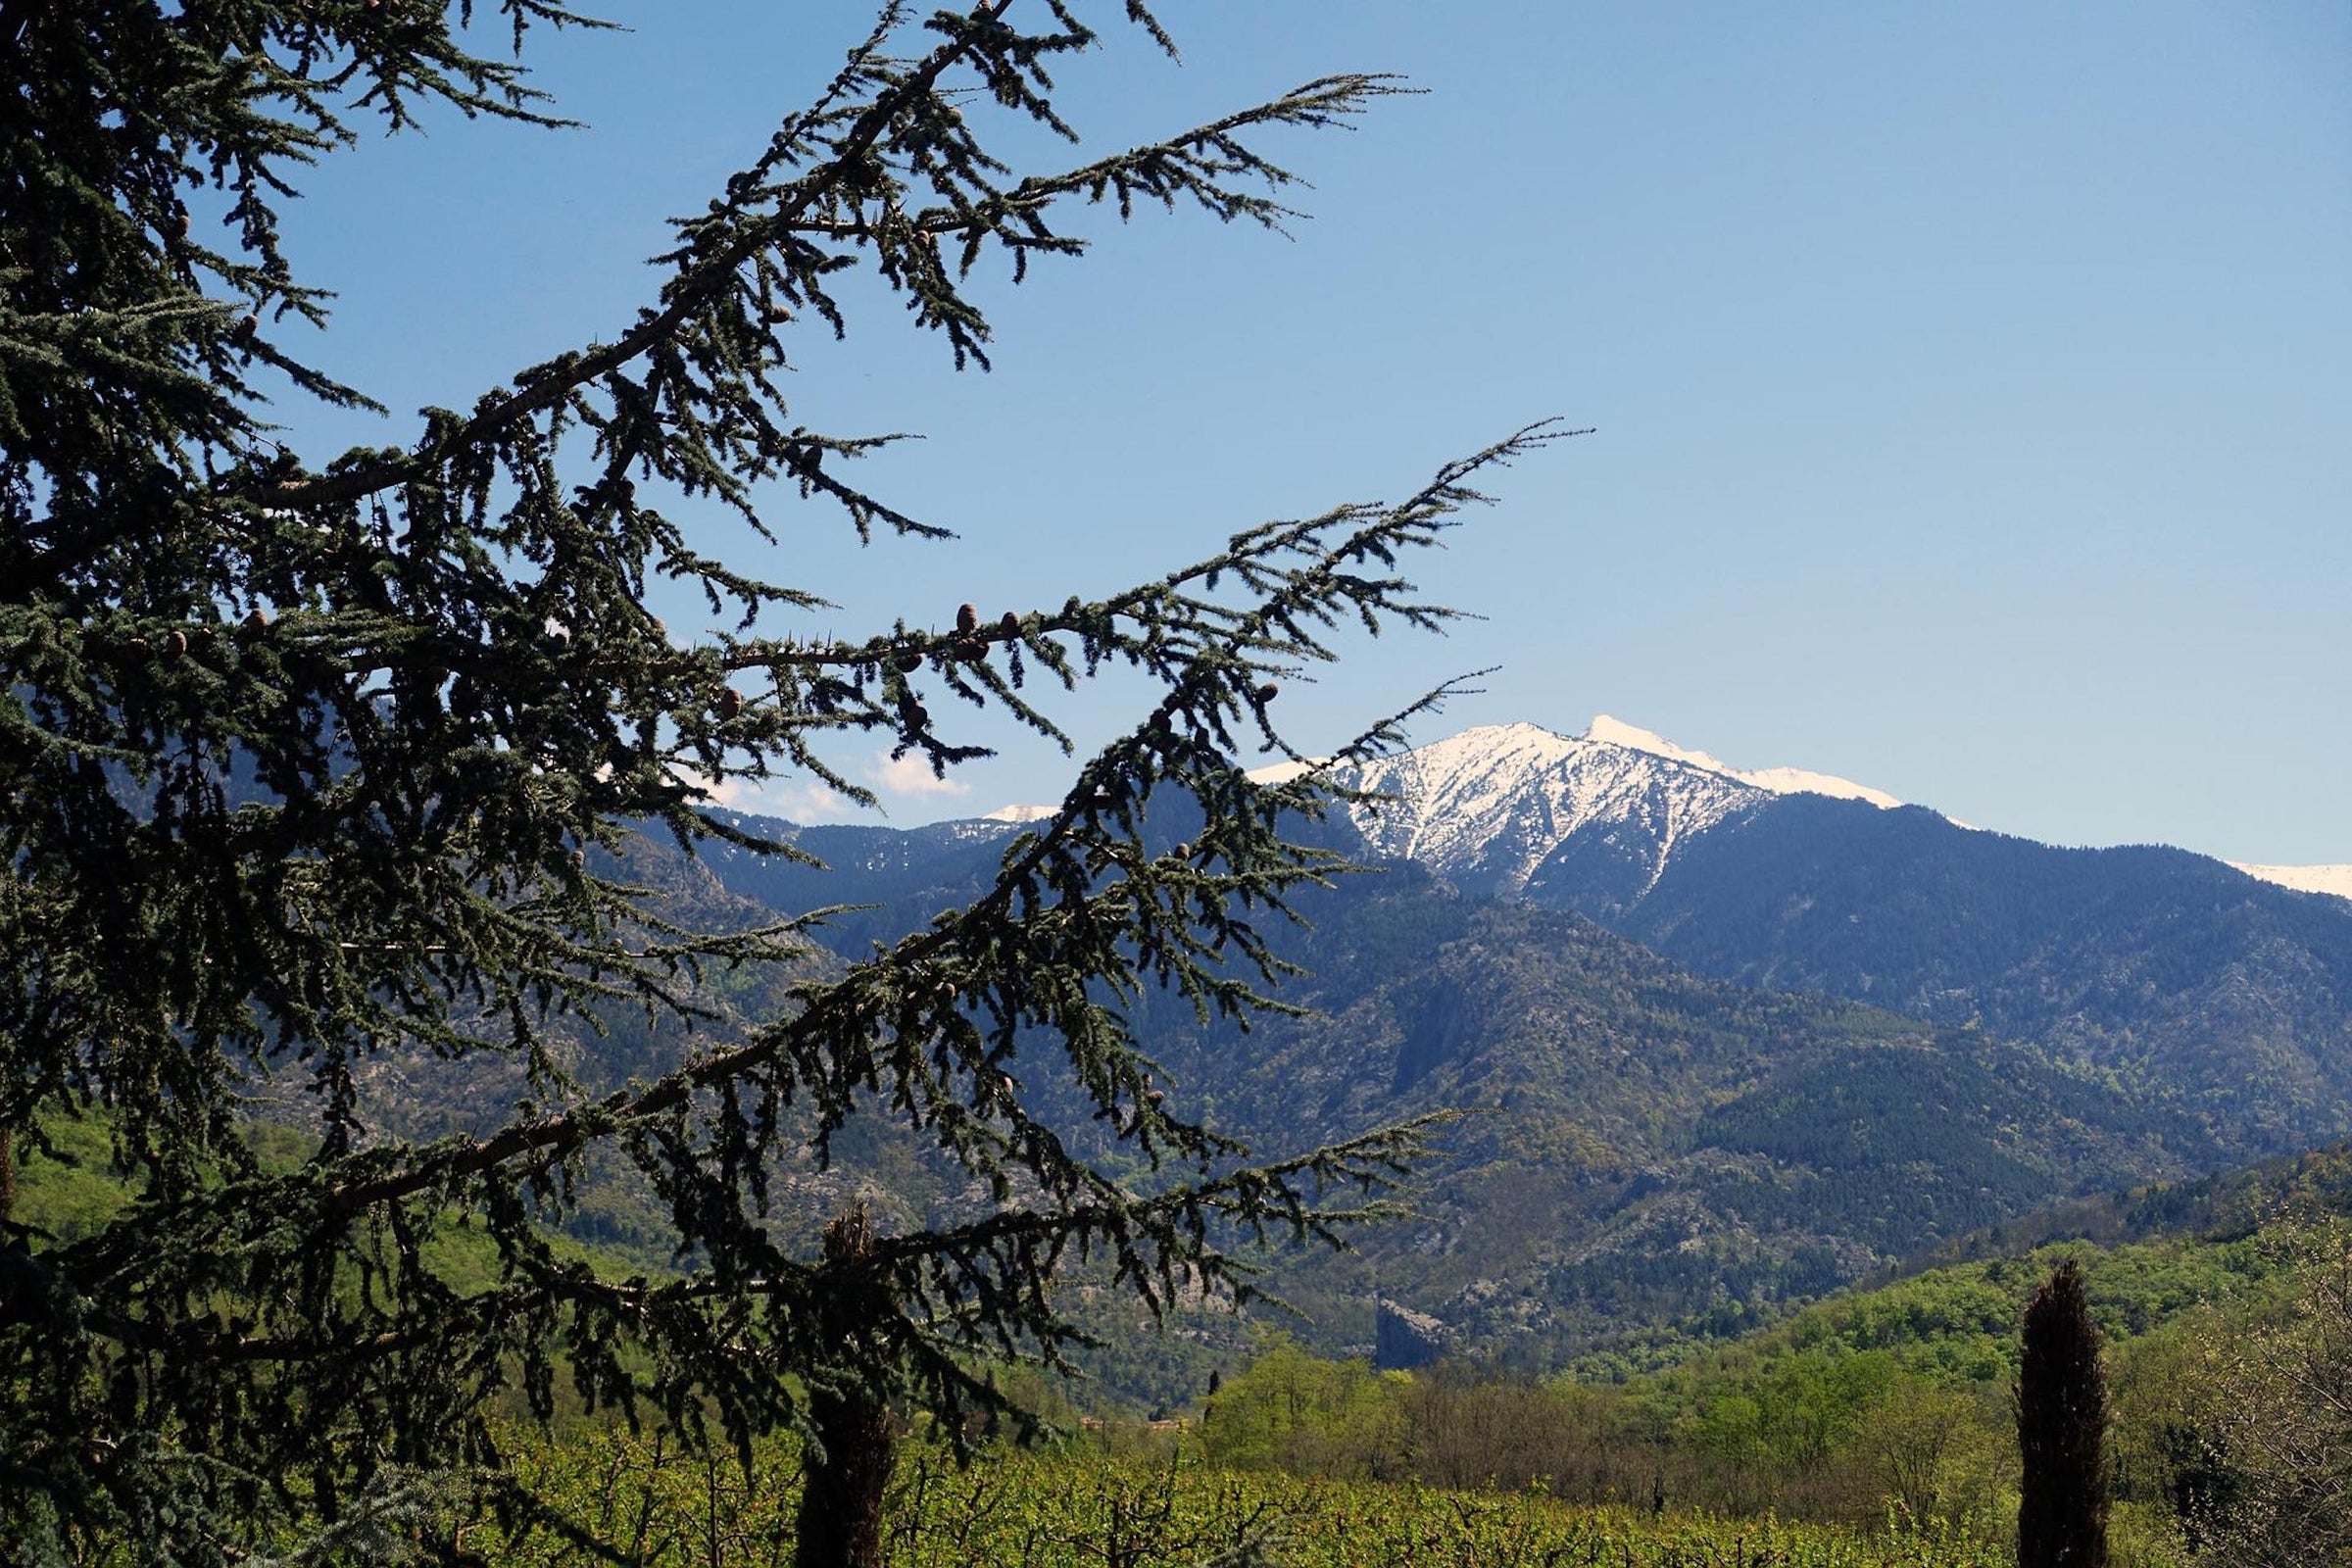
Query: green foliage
(1855, 1416)
(1797, 1411)
(1294, 1412)
(2244, 1425)
(68, 1185)
(1959, 1324)
(1887, 1403)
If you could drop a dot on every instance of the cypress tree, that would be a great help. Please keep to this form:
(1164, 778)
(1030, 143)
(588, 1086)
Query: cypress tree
(2062, 1429)
(311, 763)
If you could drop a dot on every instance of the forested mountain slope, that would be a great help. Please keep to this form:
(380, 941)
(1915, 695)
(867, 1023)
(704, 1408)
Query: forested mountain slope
(2180, 973)
(1650, 1147)
(1645, 1147)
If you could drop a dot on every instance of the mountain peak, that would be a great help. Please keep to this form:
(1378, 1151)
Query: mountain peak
(1617, 732)
(1487, 806)
(1607, 731)
(1531, 742)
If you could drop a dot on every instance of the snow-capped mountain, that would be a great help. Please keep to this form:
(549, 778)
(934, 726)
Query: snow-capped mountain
(1486, 808)
(2330, 879)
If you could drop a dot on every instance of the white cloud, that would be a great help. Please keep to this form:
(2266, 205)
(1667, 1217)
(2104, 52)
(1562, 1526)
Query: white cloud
(794, 800)
(807, 800)
(910, 775)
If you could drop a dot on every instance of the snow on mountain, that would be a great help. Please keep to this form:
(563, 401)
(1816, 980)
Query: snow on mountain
(1487, 807)
(1284, 772)
(2330, 879)
(1779, 780)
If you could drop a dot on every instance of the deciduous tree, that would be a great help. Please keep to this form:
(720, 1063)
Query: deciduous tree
(2263, 1471)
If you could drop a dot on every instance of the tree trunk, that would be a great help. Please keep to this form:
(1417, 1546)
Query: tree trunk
(841, 1500)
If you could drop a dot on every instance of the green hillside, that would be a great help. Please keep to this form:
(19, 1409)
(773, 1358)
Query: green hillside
(1873, 1424)
(1892, 1401)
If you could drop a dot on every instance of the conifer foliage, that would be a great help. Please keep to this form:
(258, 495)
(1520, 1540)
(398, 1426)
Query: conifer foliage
(2062, 1429)
(308, 761)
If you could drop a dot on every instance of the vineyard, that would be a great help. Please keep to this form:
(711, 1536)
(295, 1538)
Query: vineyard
(661, 1505)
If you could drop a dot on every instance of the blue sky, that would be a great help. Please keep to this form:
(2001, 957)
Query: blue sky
(1971, 384)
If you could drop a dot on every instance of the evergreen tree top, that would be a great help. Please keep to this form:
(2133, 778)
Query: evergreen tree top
(314, 763)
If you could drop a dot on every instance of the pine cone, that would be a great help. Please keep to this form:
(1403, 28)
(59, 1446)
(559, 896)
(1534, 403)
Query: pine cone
(1009, 629)
(730, 704)
(175, 645)
(1265, 694)
(907, 661)
(967, 619)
